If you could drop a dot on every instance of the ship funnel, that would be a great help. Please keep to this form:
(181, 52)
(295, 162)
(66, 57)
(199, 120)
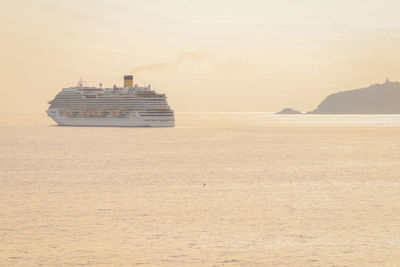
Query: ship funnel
(128, 81)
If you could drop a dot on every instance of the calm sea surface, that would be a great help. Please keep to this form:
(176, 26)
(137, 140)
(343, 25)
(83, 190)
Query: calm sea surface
(219, 189)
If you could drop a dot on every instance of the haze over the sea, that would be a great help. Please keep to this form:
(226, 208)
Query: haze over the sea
(254, 55)
(228, 182)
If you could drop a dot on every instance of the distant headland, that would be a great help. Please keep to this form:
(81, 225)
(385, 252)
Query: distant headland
(375, 99)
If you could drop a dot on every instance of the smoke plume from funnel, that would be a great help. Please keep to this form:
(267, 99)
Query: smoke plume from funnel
(172, 63)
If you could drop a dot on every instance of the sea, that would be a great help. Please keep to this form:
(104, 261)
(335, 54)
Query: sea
(219, 189)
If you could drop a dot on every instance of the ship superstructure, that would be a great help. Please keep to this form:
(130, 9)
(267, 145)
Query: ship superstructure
(131, 106)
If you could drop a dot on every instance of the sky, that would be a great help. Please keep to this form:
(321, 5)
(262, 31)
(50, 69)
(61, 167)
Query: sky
(216, 55)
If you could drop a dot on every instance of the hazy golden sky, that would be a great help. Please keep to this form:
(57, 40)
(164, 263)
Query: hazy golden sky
(255, 55)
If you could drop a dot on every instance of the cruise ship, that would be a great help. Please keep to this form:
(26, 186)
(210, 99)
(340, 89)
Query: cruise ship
(130, 106)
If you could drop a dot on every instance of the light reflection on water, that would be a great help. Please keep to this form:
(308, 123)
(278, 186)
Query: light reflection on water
(269, 118)
(218, 189)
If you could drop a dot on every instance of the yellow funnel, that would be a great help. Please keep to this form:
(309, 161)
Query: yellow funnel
(128, 81)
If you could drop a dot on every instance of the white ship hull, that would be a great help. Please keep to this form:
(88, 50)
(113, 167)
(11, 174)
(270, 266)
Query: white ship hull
(114, 122)
(130, 106)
